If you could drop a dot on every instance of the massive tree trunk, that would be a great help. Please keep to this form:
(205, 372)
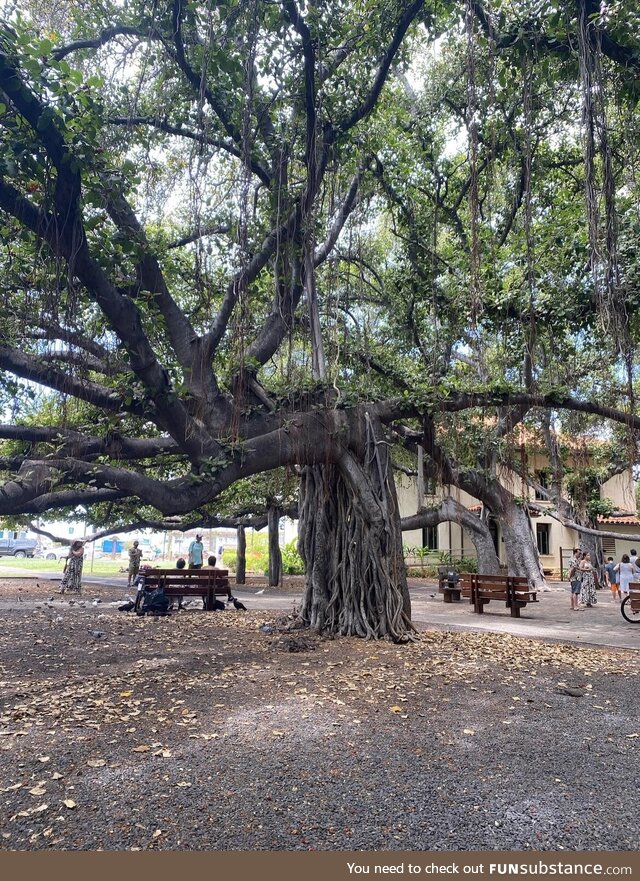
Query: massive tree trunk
(241, 559)
(275, 555)
(351, 543)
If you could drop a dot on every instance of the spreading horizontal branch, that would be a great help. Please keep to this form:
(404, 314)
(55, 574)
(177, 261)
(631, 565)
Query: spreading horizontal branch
(584, 530)
(28, 367)
(199, 137)
(104, 37)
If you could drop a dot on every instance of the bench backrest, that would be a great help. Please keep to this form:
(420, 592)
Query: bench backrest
(634, 595)
(205, 574)
(495, 579)
(152, 580)
(496, 584)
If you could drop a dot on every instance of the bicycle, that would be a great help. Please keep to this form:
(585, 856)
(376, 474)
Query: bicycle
(630, 605)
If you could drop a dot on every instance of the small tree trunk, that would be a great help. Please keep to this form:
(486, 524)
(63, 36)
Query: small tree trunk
(275, 556)
(351, 543)
(451, 510)
(241, 558)
(488, 562)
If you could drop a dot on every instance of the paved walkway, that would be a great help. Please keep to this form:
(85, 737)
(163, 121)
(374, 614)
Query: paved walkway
(550, 618)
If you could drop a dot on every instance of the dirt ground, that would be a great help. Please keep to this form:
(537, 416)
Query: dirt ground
(212, 731)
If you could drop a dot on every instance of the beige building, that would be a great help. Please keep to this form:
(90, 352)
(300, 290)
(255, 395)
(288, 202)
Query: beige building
(552, 538)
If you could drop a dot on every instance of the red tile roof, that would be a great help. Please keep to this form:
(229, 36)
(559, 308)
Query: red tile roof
(621, 519)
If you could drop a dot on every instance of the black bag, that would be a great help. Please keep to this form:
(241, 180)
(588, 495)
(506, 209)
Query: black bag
(155, 603)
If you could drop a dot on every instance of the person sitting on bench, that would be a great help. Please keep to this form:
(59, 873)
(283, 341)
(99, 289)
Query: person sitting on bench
(180, 564)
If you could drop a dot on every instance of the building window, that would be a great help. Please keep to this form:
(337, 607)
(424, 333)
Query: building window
(430, 486)
(543, 538)
(71, 530)
(542, 477)
(430, 538)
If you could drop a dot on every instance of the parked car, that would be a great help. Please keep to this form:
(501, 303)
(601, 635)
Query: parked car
(12, 546)
(60, 553)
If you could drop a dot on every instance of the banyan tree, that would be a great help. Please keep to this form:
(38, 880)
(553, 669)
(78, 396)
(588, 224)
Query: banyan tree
(241, 236)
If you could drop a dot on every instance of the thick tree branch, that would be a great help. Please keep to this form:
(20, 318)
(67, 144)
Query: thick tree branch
(365, 108)
(104, 37)
(215, 229)
(583, 530)
(40, 504)
(348, 204)
(28, 367)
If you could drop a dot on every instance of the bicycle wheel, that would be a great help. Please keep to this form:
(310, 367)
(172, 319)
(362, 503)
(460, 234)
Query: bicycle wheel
(627, 613)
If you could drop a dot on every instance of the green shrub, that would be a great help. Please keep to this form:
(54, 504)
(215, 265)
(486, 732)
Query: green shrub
(422, 572)
(229, 560)
(462, 564)
(291, 560)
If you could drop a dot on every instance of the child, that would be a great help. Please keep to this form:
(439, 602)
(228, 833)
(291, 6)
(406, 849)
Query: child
(612, 579)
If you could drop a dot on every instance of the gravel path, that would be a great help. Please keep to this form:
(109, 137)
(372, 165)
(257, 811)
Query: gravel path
(204, 732)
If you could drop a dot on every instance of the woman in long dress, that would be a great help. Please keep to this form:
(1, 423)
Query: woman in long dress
(73, 569)
(588, 592)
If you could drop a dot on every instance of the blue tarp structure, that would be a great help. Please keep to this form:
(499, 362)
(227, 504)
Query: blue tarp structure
(108, 546)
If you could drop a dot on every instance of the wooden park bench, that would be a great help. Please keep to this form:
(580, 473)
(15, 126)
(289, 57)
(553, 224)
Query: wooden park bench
(514, 591)
(447, 586)
(185, 583)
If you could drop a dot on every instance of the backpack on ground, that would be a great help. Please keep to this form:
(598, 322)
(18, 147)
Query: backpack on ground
(155, 603)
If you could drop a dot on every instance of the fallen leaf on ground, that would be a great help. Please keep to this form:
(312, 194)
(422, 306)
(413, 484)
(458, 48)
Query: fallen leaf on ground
(37, 790)
(69, 803)
(141, 749)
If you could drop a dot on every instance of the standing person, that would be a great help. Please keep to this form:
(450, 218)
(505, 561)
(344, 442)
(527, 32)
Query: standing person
(612, 579)
(135, 556)
(196, 552)
(633, 557)
(627, 572)
(588, 592)
(575, 578)
(71, 579)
